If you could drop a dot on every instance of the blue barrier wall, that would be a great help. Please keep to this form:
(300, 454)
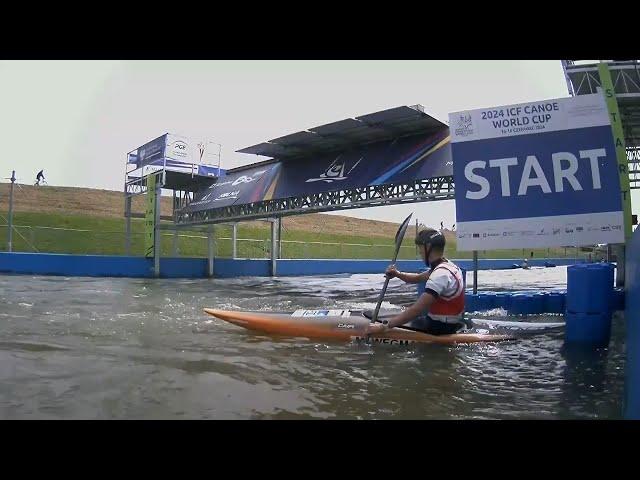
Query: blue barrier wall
(228, 267)
(632, 321)
(75, 265)
(99, 265)
(122, 266)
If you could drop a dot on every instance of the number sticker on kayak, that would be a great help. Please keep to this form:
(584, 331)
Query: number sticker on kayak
(321, 313)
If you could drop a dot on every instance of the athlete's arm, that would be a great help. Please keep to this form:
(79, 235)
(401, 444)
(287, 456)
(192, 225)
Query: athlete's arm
(407, 277)
(423, 304)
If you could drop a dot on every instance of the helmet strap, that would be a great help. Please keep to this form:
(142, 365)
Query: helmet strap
(427, 253)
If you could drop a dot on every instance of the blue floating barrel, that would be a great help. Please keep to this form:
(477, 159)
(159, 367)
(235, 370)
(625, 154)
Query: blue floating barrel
(589, 288)
(519, 304)
(481, 301)
(554, 302)
(617, 302)
(588, 303)
(537, 303)
(470, 303)
(488, 300)
(502, 300)
(588, 328)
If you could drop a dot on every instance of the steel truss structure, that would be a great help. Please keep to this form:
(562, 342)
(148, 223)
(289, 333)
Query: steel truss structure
(432, 189)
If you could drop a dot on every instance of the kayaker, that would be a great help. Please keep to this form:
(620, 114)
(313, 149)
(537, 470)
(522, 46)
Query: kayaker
(440, 309)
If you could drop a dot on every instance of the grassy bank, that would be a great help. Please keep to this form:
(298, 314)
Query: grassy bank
(90, 234)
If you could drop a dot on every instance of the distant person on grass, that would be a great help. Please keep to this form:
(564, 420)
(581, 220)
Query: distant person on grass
(40, 177)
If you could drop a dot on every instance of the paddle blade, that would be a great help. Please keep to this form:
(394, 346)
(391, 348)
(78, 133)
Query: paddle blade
(401, 230)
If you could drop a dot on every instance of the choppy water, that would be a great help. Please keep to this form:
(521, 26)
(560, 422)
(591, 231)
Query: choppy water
(110, 348)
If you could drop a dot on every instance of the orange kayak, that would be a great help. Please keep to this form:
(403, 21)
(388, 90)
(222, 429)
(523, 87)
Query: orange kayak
(350, 325)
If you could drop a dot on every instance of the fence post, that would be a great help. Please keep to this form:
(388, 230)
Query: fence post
(127, 223)
(175, 243)
(234, 240)
(210, 254)
(475, 271)
(274, 248)
(10, 222)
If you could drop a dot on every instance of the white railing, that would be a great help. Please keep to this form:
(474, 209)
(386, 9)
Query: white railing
(56, 240)
(33, 240)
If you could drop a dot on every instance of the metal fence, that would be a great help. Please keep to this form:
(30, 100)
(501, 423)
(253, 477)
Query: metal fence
(28, 238)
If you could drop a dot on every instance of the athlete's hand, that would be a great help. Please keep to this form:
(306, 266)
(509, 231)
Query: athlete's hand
(391, 271)
(376, 328)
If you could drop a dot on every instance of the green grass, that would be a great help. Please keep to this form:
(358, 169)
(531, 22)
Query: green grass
(105, 236)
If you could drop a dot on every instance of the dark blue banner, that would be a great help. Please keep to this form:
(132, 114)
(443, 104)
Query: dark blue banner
(399, 161)
(149, 152)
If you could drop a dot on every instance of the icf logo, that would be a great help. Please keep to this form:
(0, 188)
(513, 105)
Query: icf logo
(464, 125)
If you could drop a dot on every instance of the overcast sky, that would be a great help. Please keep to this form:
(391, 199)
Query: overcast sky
(77, 119)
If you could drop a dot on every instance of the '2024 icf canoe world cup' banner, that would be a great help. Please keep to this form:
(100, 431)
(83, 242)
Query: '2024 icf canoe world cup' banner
(539, 174)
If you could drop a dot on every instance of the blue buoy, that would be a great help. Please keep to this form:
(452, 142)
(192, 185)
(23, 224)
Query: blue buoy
(589, 303)
(482, 301)
(470, 302)
(591, 328)
(502, 300)
(554, 303)
(519, 304)
(537, 303)
(589, 288)
(487, 300)
(618, 299)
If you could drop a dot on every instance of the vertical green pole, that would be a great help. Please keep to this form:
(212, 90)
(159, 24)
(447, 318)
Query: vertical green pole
(150, 216)
(618, 137)
(156, 231)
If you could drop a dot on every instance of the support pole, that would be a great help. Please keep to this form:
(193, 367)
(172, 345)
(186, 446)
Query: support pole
(210, 240)
(234, 240)
(127, 218)
(417, 252)
(273, 249)
(10, 221)
(174, 247)
(608, 90)
(475, 271)
(620, 263)
(279, 237)
(156, 232)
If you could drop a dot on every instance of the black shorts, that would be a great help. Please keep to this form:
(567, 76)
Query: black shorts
(429, 325)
